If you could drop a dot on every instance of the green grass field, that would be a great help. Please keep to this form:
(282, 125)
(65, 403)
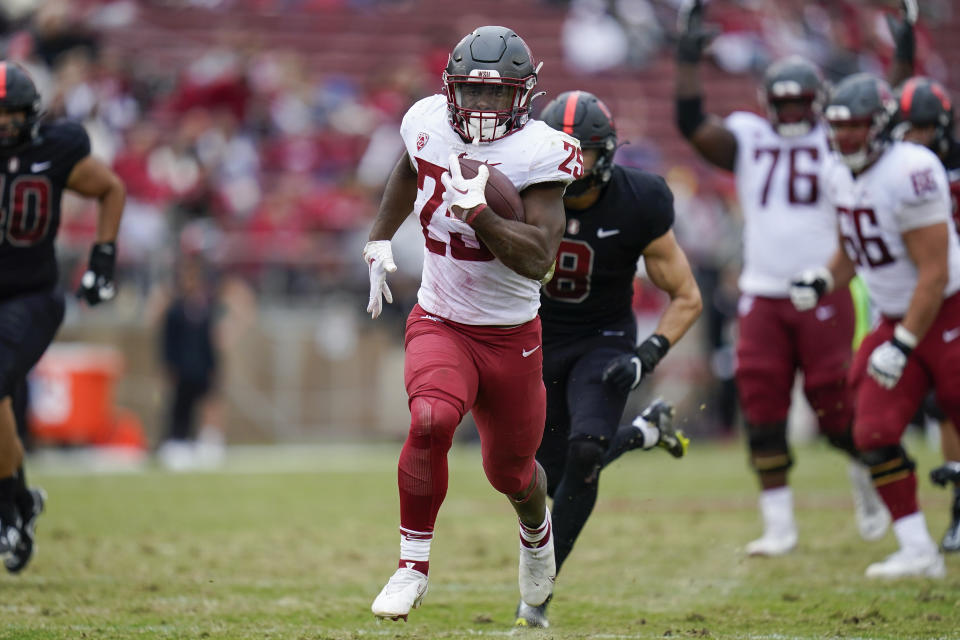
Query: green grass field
(288, 544)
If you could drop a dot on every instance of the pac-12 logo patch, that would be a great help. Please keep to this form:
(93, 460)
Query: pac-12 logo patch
(422, 139)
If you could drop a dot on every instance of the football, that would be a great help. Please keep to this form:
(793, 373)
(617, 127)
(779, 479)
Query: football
(502, 197)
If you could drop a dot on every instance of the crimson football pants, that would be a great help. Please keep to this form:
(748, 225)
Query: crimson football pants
(450, 369)
(882, 414)
(775, 340)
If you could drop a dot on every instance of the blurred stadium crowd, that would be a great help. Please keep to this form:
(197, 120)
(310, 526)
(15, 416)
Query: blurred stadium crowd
(255, 136)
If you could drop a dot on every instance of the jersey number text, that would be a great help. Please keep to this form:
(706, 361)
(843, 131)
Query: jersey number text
(25, 219)
(802, 187)
(571, 277)
(861, 237)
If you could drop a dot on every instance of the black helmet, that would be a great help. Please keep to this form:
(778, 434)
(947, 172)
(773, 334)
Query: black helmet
(924, 102)
(792, 80)
(490, 57)
(585, 117)
(861, 99)
(18, 93)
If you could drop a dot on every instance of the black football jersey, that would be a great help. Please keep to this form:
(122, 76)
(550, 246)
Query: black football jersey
(592, 285)
(32, 180)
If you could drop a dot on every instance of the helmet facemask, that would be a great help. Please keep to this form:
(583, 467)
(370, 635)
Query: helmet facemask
(791, 111)
(14, 127)
(485, 107)
(857, 154)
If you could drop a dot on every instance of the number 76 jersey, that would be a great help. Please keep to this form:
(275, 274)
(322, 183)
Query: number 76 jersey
(462, 280)
(787, 228)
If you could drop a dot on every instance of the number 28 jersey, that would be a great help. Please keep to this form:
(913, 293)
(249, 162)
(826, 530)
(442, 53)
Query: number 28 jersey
(462, 280)
(786, 226)
(32, 180)
(905, 189)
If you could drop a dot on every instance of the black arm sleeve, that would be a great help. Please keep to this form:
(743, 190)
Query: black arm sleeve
(690, 115)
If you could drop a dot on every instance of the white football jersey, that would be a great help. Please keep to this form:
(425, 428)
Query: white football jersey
(906, 188)
(462, 280)
(786, 226)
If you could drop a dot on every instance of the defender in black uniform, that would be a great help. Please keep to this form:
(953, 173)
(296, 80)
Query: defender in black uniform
(925, 117)
(591, 361)
(37, 162)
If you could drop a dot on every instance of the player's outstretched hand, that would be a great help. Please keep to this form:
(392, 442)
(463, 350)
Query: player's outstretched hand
(462, 195)
(693, 36)
(902, 31)
(97, 284)
(809, 286)
(379, 258)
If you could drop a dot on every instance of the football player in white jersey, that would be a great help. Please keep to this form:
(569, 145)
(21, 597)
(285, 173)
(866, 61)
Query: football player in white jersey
(473, 341)
(925, 116)
(776, 162)
(892, 201)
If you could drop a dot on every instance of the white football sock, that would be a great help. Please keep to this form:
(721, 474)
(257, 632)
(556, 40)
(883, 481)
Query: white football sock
(776, 506)
(651, 433)
(913, 535)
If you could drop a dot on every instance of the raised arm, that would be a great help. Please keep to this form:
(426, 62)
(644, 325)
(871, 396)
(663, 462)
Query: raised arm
(705, 132)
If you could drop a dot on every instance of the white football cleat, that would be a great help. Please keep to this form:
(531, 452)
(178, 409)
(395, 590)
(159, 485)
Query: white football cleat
(538, 568)
(773, 544)
(906, 562)
(404, 591)
(873, 518)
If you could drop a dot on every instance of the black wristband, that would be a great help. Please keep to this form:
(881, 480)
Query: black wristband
(652, 350)
(103, 257)
(906, 349)
(690, 115)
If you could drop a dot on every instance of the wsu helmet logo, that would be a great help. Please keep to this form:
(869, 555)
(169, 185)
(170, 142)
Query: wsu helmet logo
(422, 139)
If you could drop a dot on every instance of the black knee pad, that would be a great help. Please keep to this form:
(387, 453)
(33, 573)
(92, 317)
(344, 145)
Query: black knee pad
(844, 441)
(584, 459)
(769, 450)
(887, 464)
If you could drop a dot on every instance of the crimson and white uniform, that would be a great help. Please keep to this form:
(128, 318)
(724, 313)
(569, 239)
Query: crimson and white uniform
(462, 280)
(905, 189)
(787, 229)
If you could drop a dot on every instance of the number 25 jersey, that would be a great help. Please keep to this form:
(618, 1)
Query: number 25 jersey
(32, 179)
(905, 189)
(462, 280)
(786, 226)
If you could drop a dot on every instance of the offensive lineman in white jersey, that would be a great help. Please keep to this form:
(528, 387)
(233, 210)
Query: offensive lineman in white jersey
(895, 226)
(776, 162)
(473, 340)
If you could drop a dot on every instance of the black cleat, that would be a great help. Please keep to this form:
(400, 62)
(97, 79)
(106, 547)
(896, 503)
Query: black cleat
(23, 551)
(9, 536)
(660, 414)
(951, 539)
(535, 617)
(945, 473)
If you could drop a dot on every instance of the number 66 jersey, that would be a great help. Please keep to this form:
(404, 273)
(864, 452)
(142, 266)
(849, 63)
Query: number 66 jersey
(462, 280)
(905, 189)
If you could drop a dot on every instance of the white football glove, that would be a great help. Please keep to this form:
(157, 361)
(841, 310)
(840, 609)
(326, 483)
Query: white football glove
(888, 360)
(809, 286)
(379, 258)
(463, 193)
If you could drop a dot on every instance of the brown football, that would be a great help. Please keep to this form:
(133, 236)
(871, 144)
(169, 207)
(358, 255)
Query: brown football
(501, 195)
